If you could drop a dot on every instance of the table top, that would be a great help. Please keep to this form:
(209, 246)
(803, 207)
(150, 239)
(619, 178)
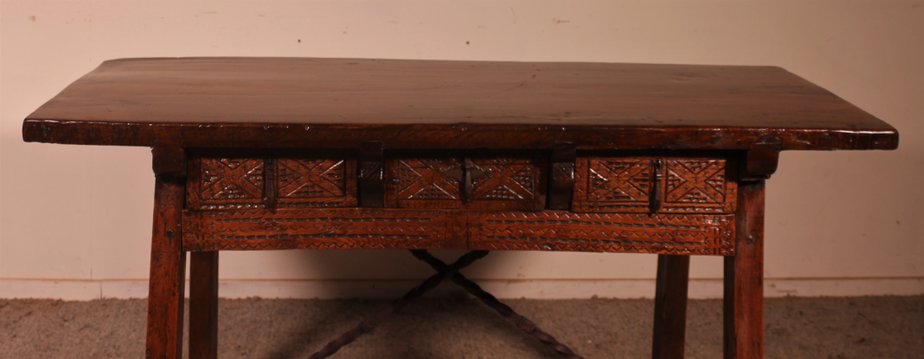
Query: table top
(424, 104)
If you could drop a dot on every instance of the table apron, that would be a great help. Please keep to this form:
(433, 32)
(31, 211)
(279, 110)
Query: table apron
(369, 228)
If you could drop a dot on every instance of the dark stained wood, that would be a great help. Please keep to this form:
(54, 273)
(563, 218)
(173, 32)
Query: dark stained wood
(424, 182)
(169, 163)
(476, 183)
(371, 175)
(694, 185)
(321, 103)
(301, 153)
(603, 232)
(656, 195)
(332, 228)
(613, 184)
(168, 271)
(759, 163)
(644, 184)
(561, 176)
(315, 182)
(252, 181)
(505, 183)
(203, 305)
(744, 293)
(602, 184)
(368, 228)
(270, 190)
(670, 307)
(223, 183)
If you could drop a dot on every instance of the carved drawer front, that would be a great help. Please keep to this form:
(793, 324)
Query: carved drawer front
(470, 183)
(653, 185)
(424, 183)
(315, 183)
(505, 183)
(236, 183)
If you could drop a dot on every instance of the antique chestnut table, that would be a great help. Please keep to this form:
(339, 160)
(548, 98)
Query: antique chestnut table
(301, 153)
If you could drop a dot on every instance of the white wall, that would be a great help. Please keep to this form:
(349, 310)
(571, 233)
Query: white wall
(75, 220)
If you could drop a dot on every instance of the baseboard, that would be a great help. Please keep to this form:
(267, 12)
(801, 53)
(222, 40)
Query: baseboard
(532, 289)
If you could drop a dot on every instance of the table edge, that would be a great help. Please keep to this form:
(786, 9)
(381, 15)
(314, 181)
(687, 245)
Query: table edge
(451, 136)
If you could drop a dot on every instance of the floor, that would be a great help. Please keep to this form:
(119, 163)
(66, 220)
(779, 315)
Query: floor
(859, 327)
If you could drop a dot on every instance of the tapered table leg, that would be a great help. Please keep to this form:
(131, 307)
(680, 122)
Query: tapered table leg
(670, 306)
(744, 326)
(168, 271)
(203, 305)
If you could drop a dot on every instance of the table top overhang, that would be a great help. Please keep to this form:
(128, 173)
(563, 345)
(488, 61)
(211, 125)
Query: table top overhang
(424, 104)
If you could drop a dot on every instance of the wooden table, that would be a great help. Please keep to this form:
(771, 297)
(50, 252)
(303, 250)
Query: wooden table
(300, 153)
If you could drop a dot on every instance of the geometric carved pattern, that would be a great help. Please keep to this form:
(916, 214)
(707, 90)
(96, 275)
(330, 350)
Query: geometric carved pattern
(317, 228)
(695, 182)
(310, 178)
(621, 184)
(453, 182)
(605, 232)
(425, 183)
(236, 183)
(625, 184)
(620, 181)
(227, 183)
(315, 182)
(226, 178)
(366, 228)
(504, 180)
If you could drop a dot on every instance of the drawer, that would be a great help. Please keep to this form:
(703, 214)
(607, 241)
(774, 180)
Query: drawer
(424, 183)
(614, 184)
(238, 183)
(653, 185)
(486, 183)
(647, 204)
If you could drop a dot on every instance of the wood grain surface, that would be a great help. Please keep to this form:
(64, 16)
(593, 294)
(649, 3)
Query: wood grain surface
(743, 298)
(374, 228)
(630, 184)
(168, 273)
(299, 102)
(670, 317)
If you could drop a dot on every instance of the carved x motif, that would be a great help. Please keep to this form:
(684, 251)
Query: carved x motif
(310, 178)
(622, 181)
(231, 179)
(695, 181)
(502, 180)
(430, 179)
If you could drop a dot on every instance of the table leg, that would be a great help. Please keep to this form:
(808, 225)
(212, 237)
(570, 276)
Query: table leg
(670, 306)
(744, 327)
(203, 305)
(168, 272)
